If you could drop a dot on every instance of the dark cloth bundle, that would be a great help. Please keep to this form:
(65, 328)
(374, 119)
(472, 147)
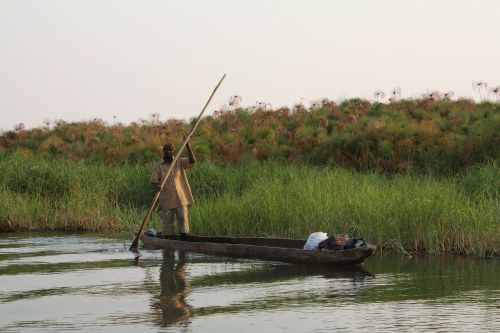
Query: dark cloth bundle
(341, 242)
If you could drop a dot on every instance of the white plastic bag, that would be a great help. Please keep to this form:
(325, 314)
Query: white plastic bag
(314, 239)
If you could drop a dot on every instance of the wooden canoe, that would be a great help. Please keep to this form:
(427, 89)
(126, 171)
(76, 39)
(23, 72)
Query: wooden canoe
(275, 249)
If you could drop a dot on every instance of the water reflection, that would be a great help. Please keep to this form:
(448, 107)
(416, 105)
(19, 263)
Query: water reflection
(243, 286)
(90, 283)
(276, 272)
(174, 288)
(275, 286)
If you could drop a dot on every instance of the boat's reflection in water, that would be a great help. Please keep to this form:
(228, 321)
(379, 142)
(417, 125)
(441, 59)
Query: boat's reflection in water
(262, 284)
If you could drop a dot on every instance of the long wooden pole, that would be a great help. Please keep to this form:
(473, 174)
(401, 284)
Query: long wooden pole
(135, 243)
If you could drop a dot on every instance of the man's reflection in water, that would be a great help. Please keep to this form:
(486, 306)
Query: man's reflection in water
(174, 289)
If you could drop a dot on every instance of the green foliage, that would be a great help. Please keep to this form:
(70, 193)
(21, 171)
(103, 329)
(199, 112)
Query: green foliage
(456, 214)
(36, 179)
(482, 181)
(418, 136)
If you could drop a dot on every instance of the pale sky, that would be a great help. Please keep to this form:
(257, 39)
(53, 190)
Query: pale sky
(78, 60)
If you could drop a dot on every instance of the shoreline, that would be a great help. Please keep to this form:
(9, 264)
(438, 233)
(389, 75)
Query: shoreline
(455, 214)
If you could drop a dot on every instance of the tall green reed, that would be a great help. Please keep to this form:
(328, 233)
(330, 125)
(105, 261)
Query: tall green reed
(458, 214)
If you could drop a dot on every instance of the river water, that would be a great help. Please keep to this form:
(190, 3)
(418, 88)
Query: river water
(57, 283)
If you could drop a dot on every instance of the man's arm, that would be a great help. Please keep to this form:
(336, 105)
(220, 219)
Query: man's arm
(155, 178)
(192, 159)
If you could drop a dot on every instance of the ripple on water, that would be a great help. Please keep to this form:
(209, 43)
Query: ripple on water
(92, 283)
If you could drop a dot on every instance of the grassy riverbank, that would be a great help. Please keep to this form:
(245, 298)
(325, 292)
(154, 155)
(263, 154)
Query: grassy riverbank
(457, 214)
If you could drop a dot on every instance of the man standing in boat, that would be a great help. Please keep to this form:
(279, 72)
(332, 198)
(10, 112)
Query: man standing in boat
(176, 195)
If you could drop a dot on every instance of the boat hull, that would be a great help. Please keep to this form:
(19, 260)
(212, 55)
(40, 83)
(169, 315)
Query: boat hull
(291, 254)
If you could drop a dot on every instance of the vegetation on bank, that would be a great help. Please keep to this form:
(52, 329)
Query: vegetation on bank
(457, 214)
(410, 175)
(407, 136)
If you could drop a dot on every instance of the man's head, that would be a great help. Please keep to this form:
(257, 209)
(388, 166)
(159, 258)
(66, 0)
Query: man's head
(168, 150)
